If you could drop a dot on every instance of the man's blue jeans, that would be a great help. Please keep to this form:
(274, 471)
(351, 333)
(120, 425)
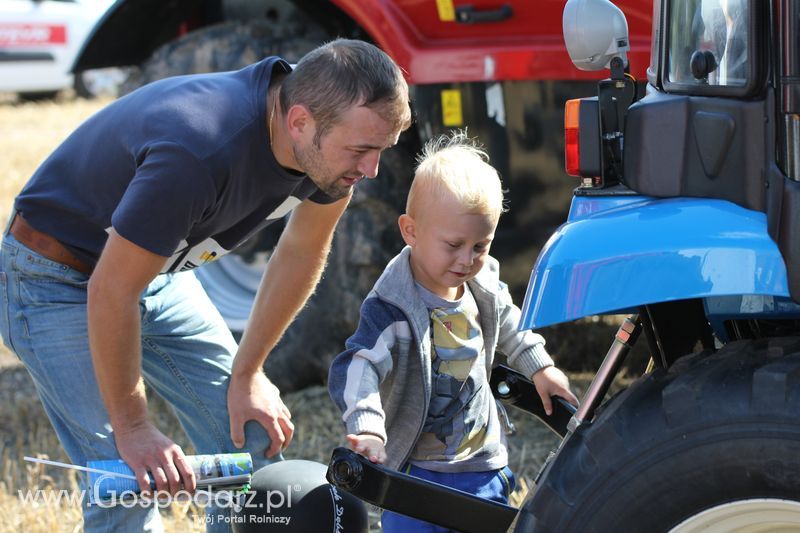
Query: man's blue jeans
(187, 353)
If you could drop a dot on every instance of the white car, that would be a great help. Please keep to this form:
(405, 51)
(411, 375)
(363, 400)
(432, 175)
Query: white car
(39, 41)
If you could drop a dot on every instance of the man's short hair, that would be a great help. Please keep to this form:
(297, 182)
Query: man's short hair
(455, 165)
(342, 73)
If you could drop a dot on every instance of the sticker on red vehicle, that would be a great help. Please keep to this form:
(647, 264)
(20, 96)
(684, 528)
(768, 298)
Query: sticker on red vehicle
(32, 34)
(451, 108)
(447, 12)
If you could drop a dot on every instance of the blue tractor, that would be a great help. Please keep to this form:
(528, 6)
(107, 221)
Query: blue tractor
(687, 219)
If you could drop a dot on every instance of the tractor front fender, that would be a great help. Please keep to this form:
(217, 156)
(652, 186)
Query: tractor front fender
(618, 253)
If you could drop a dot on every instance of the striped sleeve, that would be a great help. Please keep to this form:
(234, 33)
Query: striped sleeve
(356, 374)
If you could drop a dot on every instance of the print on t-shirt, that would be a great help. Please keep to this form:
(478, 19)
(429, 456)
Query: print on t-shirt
(187, 257)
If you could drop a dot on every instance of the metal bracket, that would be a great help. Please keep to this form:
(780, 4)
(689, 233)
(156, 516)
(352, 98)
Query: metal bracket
(415, 497)
(512, 388)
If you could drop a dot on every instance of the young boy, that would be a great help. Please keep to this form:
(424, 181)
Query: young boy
(413, 384)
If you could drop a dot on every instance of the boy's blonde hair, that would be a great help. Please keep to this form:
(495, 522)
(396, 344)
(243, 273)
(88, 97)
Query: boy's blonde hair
(456, 166)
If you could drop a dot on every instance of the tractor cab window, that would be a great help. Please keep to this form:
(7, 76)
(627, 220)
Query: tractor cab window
(709, 44)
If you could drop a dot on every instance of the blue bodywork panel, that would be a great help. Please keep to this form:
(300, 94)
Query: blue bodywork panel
(720, 309)
(616, 253)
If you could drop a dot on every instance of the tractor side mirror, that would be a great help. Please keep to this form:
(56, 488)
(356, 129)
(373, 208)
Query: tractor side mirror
(595, 32)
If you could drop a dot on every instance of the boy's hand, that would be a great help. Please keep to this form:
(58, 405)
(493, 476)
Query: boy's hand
(370, 446)
(551, 381)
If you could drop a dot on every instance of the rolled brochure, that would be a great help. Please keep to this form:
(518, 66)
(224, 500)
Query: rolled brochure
(112, 479)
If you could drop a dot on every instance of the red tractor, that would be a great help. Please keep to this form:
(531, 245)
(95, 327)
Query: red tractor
(496, 67)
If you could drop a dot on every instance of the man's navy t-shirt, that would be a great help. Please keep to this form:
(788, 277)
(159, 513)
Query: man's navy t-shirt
(181, 167)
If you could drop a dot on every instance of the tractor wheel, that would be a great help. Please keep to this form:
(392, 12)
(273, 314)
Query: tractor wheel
(228, 46)
(714, 440)
(95, 83)
(367, 235)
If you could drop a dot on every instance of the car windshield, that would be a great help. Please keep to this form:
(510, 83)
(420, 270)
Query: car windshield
(708, 42)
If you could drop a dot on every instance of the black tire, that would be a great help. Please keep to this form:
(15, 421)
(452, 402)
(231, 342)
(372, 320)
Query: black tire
(81, 88)
(713, 430)
(228, 46)
(100, 82)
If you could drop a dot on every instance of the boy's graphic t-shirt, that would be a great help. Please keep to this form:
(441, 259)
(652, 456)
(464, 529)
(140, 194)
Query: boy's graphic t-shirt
(462, 431)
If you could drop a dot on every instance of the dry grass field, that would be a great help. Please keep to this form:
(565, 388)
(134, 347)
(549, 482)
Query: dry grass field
(28, 132)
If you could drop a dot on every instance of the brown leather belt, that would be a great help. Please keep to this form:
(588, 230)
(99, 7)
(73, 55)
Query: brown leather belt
(45, 245)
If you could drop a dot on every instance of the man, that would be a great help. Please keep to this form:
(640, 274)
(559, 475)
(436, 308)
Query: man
(177, 173)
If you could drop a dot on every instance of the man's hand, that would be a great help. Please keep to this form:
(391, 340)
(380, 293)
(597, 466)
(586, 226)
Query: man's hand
(292, 273)
(254, 397)
(121, 274)
(145, 449)
(551, 381)
(370, 446)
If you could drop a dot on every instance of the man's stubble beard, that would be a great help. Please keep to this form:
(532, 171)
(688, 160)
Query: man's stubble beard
(310, 161)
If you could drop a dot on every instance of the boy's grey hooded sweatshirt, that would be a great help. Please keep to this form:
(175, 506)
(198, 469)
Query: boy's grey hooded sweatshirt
(382, 381)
